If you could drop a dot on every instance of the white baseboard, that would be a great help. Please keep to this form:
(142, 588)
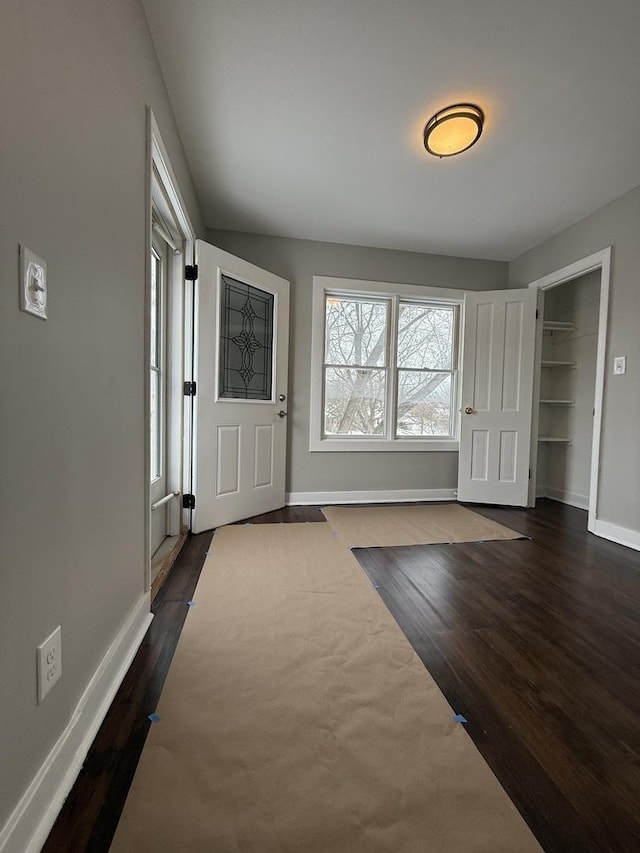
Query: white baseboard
(621, 535)
(379, 496)
(31, 821)
(571, 498)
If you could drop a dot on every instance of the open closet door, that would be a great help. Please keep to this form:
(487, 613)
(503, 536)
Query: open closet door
(497, 396)
(241, 363)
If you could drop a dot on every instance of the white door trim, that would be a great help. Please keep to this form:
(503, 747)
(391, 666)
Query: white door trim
(597, 261)
(160, 176)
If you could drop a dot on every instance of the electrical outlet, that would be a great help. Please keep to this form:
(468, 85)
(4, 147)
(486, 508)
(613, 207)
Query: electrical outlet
(49, 656)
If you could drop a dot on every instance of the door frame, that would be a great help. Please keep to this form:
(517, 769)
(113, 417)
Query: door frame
(161, 185)
(600, 260)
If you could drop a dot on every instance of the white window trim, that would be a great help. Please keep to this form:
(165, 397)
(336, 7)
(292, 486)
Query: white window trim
(323, 285)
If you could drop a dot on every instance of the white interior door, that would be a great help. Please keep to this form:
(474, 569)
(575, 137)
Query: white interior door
(242, 342)
(497, 392)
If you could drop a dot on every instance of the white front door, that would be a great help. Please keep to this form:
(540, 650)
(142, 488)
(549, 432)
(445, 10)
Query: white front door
(242, 349)
(497, 391)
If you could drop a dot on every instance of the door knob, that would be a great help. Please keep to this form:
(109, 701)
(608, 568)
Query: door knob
(282, 398)
(282, 414)
(468, 410)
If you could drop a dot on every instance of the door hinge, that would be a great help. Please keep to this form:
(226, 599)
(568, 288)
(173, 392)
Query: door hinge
(188, 502)
(189, 389)
(529, 473)
(537, 313)
(191, 272)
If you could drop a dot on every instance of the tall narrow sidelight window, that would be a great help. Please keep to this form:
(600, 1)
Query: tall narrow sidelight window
(157, 402)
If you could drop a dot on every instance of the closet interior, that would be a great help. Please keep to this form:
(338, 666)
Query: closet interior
(567, 390)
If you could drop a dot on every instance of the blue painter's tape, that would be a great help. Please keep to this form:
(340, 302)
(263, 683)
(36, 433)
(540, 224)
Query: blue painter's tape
(191, 603)
(154, 718)
(459, 718)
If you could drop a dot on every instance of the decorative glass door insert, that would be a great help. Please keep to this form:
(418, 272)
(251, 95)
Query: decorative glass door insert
(246, 341)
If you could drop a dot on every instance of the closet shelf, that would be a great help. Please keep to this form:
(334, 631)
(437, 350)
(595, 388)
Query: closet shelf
(558, 402)
(558, 326)
(558, 364)
(551, 439)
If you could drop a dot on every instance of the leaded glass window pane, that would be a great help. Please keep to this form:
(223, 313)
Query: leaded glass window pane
(246, 341)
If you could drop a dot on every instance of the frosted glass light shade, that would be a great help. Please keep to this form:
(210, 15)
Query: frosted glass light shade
(453, 130)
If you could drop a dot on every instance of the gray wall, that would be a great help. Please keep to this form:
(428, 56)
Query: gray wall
(76, 75)
(617, 224)
(298, 261)
(569, 466)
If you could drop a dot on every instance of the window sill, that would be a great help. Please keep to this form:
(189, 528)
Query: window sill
(383, 445)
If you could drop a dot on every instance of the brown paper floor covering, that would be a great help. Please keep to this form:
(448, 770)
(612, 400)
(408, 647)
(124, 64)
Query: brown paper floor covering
(296, 718)
(387, 526)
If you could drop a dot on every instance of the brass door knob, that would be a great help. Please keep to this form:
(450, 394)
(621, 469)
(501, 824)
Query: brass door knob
(468, 410)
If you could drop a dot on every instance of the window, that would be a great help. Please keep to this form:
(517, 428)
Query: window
(426, 369)
(356, 366)
(156, 365)
(246, 341)
(387, 378)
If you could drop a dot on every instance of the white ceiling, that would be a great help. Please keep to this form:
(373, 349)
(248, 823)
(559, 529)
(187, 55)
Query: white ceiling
(304, 118)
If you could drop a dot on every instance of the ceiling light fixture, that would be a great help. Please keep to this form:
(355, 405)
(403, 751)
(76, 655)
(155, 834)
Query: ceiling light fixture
(453, 130)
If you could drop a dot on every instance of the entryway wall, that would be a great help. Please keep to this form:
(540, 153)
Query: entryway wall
(564, 470)
(614, 225)
(74, 418)
(323, 477)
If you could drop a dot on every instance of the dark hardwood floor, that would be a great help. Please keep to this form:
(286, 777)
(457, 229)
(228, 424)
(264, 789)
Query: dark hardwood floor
(92, 810)
(536, 642)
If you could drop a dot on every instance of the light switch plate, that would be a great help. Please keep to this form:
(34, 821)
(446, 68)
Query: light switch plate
(33, 284)
(619, 365)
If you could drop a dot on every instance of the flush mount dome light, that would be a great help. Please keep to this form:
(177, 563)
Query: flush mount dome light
(453, 129)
